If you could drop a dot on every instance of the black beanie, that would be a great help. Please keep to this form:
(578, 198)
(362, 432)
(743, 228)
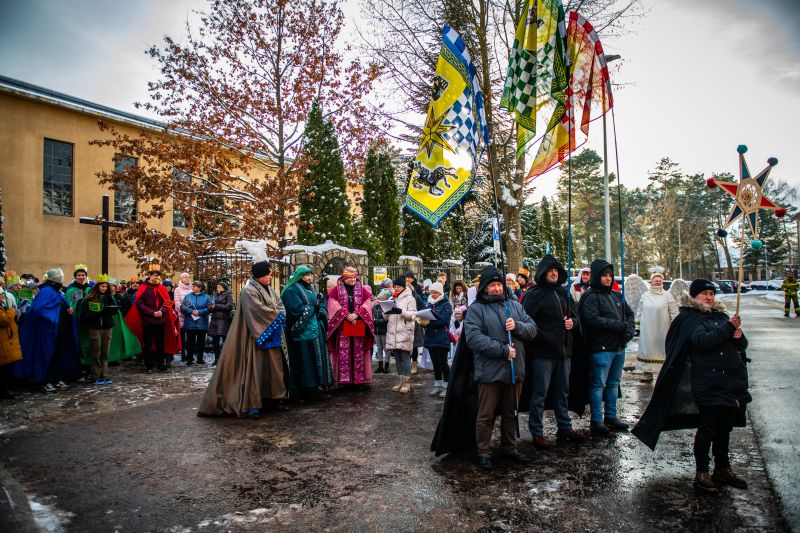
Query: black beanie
(260, 269)
(700, 285)
(399, 281)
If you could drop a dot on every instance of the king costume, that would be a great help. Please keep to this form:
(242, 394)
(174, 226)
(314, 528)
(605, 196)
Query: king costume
(252, 366)
(351, 356)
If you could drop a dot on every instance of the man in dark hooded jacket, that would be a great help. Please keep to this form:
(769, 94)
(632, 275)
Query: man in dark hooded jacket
(550, 307)
(607, 323)
(492, 322)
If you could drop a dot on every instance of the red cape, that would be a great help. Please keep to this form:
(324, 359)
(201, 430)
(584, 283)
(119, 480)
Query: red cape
(172, 328)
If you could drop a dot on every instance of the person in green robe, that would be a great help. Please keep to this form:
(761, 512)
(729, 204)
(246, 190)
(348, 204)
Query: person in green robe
(124, 344)
(310, 370)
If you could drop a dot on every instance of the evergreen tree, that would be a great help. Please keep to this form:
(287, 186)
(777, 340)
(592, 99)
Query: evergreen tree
(418, 237)
(3, 255)
(379, 227)
(533, 241)
(324, 205)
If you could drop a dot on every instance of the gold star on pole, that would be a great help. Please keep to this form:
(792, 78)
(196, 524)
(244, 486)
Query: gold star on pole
(432, 133)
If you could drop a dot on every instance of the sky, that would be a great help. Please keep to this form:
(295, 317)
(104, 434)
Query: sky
(696, 78)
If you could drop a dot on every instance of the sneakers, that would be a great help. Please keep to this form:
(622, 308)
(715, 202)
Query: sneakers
(443, 394)
(647, 377)
(519, 458)
(437, 390)
(615, 424)
(725, 476)
(571, 435)
(62, 386)
(103, 381)
(704, 484)
(149, 371)
(541, 442)
(253, 413)
(48, 388)
(485, 463)
(598, 428)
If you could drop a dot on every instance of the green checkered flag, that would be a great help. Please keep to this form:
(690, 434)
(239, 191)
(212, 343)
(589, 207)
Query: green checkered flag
(519, 92)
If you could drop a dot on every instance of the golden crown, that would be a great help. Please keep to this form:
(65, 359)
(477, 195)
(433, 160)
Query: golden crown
(81, 266)
(101, 278)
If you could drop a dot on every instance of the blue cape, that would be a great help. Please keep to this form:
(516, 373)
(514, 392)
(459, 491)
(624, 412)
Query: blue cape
(39, 338)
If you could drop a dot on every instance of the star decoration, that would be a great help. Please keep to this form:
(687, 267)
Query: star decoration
(432, 133)
(748, 193)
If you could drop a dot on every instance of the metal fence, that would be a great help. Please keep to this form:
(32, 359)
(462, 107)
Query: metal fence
(235, 268)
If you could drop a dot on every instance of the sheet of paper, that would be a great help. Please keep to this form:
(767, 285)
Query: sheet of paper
(427, 314)
(387, 305)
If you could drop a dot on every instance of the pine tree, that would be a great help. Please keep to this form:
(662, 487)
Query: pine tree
(379, 228)
(324, 205)
(533, 241)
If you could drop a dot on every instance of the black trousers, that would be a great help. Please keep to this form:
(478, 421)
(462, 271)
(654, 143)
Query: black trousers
(439, 360)
(217, 341)
(153, 335)
(196, 344)
(714, 428)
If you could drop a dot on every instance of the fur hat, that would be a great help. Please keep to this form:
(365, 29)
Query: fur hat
(699, 285)
(654, 274)
(260, 269)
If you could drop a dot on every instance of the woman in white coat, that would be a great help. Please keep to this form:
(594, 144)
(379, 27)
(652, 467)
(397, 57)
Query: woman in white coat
(400, 332)
(657, 309)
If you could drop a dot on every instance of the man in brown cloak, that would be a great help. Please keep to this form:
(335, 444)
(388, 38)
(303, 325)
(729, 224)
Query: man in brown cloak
(252, 364)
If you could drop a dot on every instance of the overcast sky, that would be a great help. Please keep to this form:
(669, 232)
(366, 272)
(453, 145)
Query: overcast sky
(699, 77)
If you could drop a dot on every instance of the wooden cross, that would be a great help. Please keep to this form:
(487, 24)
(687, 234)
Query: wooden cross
(105, 222)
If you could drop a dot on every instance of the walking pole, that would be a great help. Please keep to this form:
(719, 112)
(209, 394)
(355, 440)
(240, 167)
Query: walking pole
(496, 211)
(513, 372)
(619, 206)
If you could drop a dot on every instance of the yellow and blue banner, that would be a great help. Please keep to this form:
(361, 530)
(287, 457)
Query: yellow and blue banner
(453, 138)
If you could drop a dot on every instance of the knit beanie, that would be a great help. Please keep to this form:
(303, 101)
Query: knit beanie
(54, 274)
(436, 286)
(386, 283)
(699, 285)
(260, 269)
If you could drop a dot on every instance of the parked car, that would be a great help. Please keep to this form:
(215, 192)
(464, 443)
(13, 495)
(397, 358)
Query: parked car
(758, 285)
(729, 286)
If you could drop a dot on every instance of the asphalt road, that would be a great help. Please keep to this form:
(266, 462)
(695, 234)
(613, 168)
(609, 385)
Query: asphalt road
(134, 457)
(775, 386)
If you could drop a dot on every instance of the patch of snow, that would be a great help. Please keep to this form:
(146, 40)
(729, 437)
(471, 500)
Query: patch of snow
(322, 248)
(455, 262)
(506, 197)
(48, 517)
(410, 258)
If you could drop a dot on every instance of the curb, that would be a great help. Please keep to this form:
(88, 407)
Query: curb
(15, 511)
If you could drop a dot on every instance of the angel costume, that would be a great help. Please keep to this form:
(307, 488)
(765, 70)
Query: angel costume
(656, 311)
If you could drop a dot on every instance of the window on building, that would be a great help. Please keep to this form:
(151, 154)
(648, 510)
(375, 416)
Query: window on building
(181, 181)
(57, 197)
(124, 199)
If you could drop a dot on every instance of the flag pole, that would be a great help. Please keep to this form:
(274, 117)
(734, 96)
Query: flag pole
(619, 204)
(496, 210)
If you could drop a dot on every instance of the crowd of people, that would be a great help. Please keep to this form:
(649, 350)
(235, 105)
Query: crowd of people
(497, 345)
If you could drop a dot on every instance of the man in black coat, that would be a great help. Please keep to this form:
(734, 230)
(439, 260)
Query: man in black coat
(607, 323)
(703, 383)
(550, 352)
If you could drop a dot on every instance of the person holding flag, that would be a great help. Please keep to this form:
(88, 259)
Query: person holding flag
(499, 366)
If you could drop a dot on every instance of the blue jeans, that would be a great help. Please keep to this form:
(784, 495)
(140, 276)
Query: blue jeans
(547, 373)
(606, 375)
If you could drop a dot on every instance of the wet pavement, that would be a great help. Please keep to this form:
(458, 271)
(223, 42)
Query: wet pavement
(134, 456)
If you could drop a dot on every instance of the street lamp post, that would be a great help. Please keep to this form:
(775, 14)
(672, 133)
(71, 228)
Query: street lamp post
(607, 206)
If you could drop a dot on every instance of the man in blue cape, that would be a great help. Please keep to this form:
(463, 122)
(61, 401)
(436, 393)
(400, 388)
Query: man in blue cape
(49, 338)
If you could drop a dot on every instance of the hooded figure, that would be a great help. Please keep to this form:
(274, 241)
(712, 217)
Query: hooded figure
(581, 284)
(607, 323)
(703, 384)
(309, 362)
(482, 381)
(550, 354)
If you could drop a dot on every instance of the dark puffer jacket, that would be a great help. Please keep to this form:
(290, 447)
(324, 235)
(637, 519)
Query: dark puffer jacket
(437, 332)
(221, 314)
(719, 373)
(547, 304)
(102, 319)
(486, 335)
(606, 320)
